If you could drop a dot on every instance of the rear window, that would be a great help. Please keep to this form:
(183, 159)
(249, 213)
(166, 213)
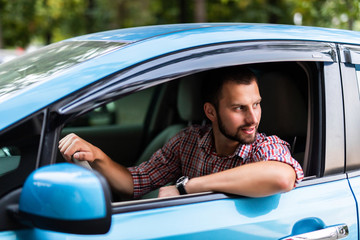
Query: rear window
(35, 67)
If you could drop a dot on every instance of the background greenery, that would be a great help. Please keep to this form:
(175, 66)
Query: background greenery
(45, 21)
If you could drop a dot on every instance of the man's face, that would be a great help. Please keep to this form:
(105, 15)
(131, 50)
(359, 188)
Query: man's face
(239, 112)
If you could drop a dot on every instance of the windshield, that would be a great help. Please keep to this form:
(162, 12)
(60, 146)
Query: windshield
(35, 67)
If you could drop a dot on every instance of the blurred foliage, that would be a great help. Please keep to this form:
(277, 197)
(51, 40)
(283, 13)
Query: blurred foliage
(47, 21)
(343, 14)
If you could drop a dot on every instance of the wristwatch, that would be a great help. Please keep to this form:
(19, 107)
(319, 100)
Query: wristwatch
(180, 184)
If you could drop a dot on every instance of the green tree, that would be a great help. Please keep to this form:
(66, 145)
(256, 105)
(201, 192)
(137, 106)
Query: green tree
(329, 13)
(47, 21)
(16, 22)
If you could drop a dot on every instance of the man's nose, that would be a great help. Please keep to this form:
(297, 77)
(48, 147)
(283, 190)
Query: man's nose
(251, 116)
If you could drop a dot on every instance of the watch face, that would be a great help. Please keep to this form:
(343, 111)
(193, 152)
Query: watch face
(180, 180)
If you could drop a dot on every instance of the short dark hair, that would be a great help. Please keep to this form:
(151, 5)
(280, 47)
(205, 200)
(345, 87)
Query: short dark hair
(215, 79)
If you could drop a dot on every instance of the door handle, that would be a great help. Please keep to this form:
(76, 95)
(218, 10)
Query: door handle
(330, 233)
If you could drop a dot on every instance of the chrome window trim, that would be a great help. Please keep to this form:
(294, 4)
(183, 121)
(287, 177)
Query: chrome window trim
(155, 203)
(313, 180)
(351, 174)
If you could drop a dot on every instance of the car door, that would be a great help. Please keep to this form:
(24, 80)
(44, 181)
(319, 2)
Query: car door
(323, 204)
(350, 69)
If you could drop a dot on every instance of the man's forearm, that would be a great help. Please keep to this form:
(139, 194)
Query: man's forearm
(117, 176)
(253, 180)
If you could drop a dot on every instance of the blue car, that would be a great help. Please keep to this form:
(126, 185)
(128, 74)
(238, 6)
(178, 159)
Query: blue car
(128, 91)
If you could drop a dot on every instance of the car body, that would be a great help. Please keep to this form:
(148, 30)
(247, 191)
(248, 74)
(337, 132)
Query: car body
(120, 90)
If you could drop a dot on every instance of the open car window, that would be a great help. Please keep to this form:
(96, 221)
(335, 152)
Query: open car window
(128, 128)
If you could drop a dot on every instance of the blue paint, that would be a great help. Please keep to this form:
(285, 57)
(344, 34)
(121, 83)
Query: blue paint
(64, 192)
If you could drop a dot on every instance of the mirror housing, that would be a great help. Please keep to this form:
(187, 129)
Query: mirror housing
(66, 198)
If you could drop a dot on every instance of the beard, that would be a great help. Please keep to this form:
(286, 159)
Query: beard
(236, 136)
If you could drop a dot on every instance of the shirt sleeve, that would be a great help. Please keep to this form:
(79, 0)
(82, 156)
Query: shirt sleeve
(275, 149)
(163, 167)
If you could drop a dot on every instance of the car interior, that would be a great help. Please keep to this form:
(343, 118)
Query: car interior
(158, 113)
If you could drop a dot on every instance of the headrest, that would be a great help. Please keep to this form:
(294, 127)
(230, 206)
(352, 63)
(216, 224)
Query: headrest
(284, 110)
(189, 102)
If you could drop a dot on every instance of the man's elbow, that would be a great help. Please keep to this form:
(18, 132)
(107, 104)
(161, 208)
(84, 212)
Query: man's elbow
(286, 181)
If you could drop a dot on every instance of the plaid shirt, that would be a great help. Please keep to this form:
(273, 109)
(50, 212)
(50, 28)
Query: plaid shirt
(191, 153)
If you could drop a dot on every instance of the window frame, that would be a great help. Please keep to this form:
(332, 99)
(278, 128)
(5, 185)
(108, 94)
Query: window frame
(166, 68)
(155, 71)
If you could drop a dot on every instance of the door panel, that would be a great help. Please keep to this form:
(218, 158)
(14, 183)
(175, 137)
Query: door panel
(273, 217)
(305, 209)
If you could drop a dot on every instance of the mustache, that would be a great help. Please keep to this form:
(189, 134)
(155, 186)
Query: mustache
(248, 126)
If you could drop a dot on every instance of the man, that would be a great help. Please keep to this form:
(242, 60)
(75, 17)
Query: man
(229, 156)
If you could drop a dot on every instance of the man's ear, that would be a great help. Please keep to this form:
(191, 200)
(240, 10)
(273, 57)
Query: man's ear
(210, 111)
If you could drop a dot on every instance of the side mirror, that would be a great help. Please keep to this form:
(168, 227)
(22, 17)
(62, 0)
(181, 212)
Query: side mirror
(66, 198)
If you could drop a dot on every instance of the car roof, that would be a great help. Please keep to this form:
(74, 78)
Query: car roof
(246, 32)
(144, 43)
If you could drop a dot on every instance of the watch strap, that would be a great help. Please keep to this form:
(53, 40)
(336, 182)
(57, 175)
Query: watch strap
(181, 189)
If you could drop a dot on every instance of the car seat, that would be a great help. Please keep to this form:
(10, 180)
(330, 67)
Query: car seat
(190, 109)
